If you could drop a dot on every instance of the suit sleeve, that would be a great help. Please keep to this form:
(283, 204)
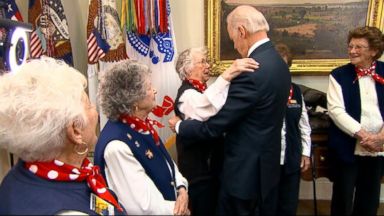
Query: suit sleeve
(242, 96)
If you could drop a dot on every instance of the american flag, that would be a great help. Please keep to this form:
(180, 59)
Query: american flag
(97, 47)
(12, 11)
(51, 35)
(36, 49)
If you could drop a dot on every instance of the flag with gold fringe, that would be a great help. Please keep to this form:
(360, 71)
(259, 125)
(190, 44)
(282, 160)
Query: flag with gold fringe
(106, 44)
(12, 11)
(150, 40)
(50, 34)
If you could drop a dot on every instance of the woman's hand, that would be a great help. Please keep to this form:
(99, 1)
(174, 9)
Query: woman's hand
(172, 123)
(239, 66)
(181, 205)
(305, 163)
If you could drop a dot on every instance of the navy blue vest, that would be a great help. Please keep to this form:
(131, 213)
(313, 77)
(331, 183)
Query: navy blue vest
(23, 193)
(341, 144)
(185, 85)
(156, 167)
(293, 150)
(198, 160)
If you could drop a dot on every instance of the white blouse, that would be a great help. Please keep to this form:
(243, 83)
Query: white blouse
(135, 189)
(202, 106)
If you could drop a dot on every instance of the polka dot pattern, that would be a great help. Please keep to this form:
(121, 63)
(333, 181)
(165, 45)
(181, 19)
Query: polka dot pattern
(58, 163)
(73, 176)
(101, 190)
(143, 127)
(33, 168)
(76, 171)
(58, 171)
(369, 72)
(53, 174)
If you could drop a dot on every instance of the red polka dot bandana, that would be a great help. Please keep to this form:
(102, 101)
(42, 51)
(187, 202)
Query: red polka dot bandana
(198, 84)
(58, 171)
(369, 72)
(143, 127)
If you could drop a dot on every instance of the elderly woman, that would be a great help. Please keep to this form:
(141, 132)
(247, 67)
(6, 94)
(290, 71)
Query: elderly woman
(295, 145)
(47, 120)
(131, 154)
(356, 106)
(200, 161)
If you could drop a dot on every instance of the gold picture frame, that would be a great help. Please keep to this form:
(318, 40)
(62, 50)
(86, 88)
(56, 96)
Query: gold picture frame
(216, 35)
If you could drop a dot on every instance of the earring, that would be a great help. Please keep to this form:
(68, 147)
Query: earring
(81, 149)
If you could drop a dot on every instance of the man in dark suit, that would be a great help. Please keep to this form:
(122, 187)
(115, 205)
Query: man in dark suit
(251, 118)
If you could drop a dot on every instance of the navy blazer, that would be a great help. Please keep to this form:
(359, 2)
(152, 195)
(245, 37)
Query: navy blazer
(252, 119)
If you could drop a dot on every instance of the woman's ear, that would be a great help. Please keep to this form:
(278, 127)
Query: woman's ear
(74, 133)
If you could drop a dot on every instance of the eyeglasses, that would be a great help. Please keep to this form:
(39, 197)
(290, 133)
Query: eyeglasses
(203, 61)
(357, 47)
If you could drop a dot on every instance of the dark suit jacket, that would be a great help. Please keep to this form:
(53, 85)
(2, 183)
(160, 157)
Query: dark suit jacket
(252, 118)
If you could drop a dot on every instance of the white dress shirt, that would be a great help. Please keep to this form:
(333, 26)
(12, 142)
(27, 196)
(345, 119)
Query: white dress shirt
(135, 189)
(371, 119)
(257, 44)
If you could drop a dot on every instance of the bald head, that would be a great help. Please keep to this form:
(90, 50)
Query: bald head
(247, 16)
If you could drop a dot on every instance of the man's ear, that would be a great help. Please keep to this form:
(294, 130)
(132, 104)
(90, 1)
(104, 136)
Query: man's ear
(74, 133)
(242, 31)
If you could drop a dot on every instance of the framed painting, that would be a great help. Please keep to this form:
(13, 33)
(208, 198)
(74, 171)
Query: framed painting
(315, 30)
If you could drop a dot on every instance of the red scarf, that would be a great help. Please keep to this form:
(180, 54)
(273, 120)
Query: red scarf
(290, 95)
(58, 171)
(369, 72)
(141, 126)
(198, 84)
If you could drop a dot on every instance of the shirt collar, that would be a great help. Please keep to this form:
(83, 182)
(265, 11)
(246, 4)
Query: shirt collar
(257, 44)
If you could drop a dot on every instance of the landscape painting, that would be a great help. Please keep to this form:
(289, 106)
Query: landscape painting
(313, 29)
(316, 31)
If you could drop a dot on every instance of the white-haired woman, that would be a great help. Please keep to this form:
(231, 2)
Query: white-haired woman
(48, 121)
(129, 151)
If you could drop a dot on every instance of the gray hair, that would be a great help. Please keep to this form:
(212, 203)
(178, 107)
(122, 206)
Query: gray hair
(247, 16)
(121, 87)
(185, 62)
(37, 103)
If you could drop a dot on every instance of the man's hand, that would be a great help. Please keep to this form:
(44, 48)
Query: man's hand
(239, 66)
(172, 123)
(181, 205)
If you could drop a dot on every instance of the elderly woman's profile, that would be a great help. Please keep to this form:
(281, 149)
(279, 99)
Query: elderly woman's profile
(130, 152)
(47, 120)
